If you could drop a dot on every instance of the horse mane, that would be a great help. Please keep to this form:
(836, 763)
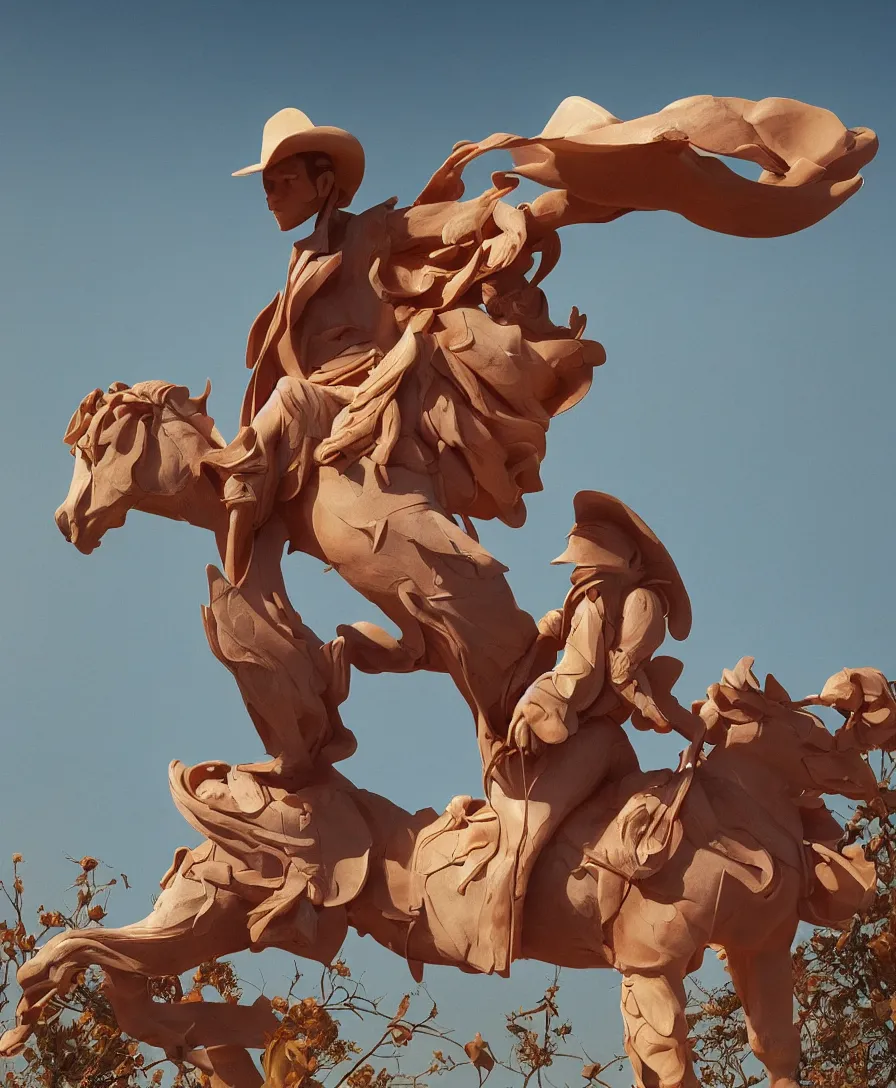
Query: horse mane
(738, 699)
(99, 408)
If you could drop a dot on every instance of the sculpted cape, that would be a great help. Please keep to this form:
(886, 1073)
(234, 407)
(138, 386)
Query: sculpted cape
(422, 340)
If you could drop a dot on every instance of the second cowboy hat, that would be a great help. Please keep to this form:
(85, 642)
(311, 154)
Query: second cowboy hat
(596, 509)
(291, 132)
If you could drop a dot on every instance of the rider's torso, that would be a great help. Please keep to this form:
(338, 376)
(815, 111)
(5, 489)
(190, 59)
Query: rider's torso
(327, 319)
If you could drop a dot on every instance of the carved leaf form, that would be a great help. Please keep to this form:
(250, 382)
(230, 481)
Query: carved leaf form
(403, 279)
(503, 249)
(657, 1003)
(469, 218)
(737, 700)
(741, 677)
(776, 691)
(279, 676)
(846, 882)
(462, 280)
(865, 695)
(287, 1063)
(355, 428)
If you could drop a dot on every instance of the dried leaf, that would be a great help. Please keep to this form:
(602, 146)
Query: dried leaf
(402, 1009)
(478, 1052)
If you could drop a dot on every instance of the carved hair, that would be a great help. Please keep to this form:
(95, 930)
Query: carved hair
(98, 409)
(739, 699)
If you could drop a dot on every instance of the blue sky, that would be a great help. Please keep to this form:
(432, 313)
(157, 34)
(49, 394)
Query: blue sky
(745, 411)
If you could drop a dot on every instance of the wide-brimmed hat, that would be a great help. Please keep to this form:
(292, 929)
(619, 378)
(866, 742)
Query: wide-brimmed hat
(595, 510)
(291, 132)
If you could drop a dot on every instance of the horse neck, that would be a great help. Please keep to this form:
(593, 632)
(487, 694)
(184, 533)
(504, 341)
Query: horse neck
(178, 489)
(765, 781)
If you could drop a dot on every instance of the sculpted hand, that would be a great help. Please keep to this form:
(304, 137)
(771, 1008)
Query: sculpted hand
(521, 735)
(551, 624)
(540, 717)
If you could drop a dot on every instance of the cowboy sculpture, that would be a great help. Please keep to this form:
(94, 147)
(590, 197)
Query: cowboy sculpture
(402, 384)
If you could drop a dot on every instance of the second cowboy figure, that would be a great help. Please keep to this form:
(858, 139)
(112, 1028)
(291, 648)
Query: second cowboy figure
(565, 739)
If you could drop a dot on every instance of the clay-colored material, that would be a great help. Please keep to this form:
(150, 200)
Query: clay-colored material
(402, 384)
(291, 132)
(149, 448)
(642, 877)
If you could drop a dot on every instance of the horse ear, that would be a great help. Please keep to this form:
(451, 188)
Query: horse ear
(179, 397)
(199, 403)
(776, 691)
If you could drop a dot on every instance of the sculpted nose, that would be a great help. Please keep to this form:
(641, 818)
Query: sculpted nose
(63, 523)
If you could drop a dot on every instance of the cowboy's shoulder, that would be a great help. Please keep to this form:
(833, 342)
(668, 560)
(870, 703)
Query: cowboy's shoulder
(403, 228)
(375, 221)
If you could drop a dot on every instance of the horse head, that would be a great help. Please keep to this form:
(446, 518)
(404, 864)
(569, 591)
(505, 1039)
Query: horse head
(135, 447)
(765, 725)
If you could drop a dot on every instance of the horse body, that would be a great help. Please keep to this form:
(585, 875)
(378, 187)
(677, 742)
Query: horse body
(642, 877)
(721, 884)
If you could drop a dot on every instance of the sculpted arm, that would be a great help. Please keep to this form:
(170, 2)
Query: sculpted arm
(642, 631)
(549, 710)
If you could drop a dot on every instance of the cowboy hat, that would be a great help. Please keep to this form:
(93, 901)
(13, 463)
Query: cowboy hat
(291, 132)
(588, 545)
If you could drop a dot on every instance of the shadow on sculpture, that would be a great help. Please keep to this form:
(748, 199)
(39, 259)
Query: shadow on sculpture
(402, 385)
(731, 850)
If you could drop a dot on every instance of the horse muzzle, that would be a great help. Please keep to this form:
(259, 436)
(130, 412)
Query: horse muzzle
(63, 523)
(74, 532)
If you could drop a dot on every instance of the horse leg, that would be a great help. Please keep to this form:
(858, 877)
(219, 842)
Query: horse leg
(656, 1031)
(179, 1028)
(764, 982)
(166, 942)
(213, 1036)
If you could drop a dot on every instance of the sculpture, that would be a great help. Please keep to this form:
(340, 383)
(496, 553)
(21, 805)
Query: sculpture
(642, 877)
(402, 384)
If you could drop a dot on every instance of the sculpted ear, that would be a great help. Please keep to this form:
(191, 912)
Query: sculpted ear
(325, 183)
(199, 403)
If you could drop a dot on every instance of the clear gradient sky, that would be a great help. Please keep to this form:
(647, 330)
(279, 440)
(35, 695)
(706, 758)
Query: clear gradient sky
(745, 411)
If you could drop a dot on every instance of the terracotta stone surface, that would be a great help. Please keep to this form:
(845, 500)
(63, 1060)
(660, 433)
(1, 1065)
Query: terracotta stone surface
(402, 385)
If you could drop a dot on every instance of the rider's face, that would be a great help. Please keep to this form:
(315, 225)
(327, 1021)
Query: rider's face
(292, 196)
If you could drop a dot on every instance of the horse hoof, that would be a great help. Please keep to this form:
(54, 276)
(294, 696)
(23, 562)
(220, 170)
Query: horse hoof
(13, 1041)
